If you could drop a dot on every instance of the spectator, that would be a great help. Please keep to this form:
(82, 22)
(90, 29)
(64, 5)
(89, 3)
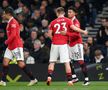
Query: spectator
(35, 4)
(93, 14)
(28, 59)
(49, 10)
(63, 3)
(102, 34)
(24, 34)
(43, 12)
(106, 48)
(44, 28)
(42, 39)
(44, 3)
(93, 46)
(5, 4)
(1, 11)
(26, 12)
(81, 14)
(47, 40)
(70, 3)
(21, 17)
(35, 14)
(52, 4)
(2, 45)
(19, 9)
(98, 58)
(30, 41)
(86, 52)
(30, 25)
(85, 5)
(90, 42)
(36, 17)
(41, 55)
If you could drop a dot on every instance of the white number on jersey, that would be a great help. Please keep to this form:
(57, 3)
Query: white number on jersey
(58, 27)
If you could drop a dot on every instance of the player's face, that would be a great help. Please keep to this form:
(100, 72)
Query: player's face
(103, 22)
(71, 13)
(4, 16)
(107, 24)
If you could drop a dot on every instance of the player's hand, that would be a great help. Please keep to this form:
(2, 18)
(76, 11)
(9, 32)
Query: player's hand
(86, 32)
(63, 32)
(6, 42)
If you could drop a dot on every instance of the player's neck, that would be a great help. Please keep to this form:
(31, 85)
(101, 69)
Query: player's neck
(60, 16)
(72, 18)
(10, 18)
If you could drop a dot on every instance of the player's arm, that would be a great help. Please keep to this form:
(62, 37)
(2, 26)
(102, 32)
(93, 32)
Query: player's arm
(73, 27)
(68, 33)
(12, 34)
(50, 34)
(74, 34)
(50, 31)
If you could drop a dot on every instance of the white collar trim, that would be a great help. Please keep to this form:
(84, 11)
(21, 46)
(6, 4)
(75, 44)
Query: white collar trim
(10, 19)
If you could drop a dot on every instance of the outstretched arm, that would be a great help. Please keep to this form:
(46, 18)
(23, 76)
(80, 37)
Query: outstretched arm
(73, 27)
(69, 34)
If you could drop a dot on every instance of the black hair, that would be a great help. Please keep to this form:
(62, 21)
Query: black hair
(9, 11)
(73, 8)
(106, 18)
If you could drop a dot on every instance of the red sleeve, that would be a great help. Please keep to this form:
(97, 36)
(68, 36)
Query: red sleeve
(70, 22)
(71, 34)
(76, 23)
(13, 28)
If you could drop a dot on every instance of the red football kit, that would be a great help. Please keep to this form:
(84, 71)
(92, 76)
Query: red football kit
(74, 37)
(57, 25)
(13, 34)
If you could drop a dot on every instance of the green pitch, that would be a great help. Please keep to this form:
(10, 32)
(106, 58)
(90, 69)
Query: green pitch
(55, 86)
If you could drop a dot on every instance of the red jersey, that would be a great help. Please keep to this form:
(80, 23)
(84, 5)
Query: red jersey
(13, 34)
(57, 25)
(74, 37)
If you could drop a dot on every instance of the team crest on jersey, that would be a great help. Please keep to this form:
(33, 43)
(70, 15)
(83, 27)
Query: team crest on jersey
(13, 25)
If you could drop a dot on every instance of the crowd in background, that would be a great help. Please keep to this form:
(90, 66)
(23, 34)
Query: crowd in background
(34, 17)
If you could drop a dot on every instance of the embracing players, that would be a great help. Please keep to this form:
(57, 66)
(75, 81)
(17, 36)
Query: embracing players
(59, 47)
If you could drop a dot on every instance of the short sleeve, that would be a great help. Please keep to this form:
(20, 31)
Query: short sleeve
(70, 22)
(77, 24)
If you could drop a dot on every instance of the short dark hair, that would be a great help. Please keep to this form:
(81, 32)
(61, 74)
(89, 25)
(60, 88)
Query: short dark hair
(60, 10)
(9, 11)
(26, 50)
(104, 18)
(73, 8)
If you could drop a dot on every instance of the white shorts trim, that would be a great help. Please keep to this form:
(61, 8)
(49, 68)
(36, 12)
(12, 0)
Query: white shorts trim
(59, 51)
(76, 52)
(16, 53)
